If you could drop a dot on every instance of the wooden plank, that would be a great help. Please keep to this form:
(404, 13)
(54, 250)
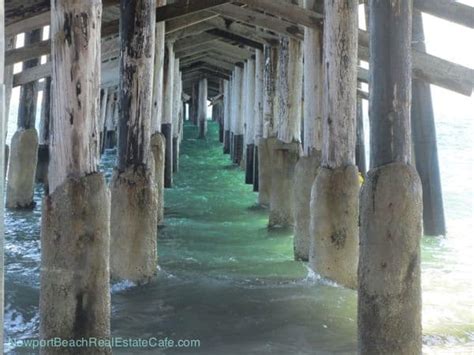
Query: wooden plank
(210, 60)
(33, 50)
(235, 38)
(431, 69)
(244, 30)
(287, 10)
(189, 31)
(220, 46)
(194, 41)
(257, 18)
(449, 10)
(184, 7)
(189, 20)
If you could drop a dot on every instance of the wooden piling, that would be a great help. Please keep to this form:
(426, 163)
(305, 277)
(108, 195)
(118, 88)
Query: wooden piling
(43, 135)
(237, 117)
(75, 296)
(29, 91)
(308, 164)
(227, 114)
(286, 152)
(134, 195)
(176, 113)
(202, 109)
(24, 144)
(250, 122)
(167, 118)
(335, 192)
(3, 120)
(265, 143)
(389, 301)
(424, 142)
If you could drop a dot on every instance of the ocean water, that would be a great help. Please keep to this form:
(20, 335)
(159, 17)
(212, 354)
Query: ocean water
(227, 281)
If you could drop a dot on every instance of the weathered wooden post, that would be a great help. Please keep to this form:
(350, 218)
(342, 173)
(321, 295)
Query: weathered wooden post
(243, 113)
(270, 110)
(258, 113)
(43, 135)
(104, 95)
(389, 302)
(227, 115)
(193, 107)
(176, 113)
(335, 192)
(424, 141)
(237, 117)
(74, 290)
(3, 120)
(157, 140)
(167, 118)
(202, 108)
(8, 82)
(134, 197)
(286, 151)
(360, 139)
(110, 128)
(24, 144)
(307, 166)
(250, 122)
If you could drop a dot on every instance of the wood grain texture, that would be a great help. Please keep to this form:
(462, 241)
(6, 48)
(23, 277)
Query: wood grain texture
(75, 33)
(137, 31)
(340, 83)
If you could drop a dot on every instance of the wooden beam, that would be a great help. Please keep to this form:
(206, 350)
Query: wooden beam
(287, 10)
(184, 7)
(448, 10)
(238, 52)
(210, 60)
(203, 65)
(109, 70)
(235, 38)
(245, 30)
(260, 19)
(189, 31)
(431, 69)
(184, 22)
(194, 41)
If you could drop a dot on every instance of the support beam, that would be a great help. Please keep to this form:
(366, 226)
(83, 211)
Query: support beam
(3, 120)
(227, 114)
(452, 11)
(389, 293)
(237, 123)
(24, 144)
(75, 296)
(286, 152)
(250, 122)
(253, 18)
(184, 7)
(157, 139)
(202, 109)
(133, 190)
(235, 38)
(266, 143)
(335, 192)
(425, 144)
(167, 119)
(308, 164)
(285, 9)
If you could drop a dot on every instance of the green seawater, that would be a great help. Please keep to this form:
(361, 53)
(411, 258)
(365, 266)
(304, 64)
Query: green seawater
(229, 282)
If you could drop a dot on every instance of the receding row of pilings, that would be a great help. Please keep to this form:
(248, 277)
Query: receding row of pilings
(295, 138)
(301, 143)
(91, 232)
